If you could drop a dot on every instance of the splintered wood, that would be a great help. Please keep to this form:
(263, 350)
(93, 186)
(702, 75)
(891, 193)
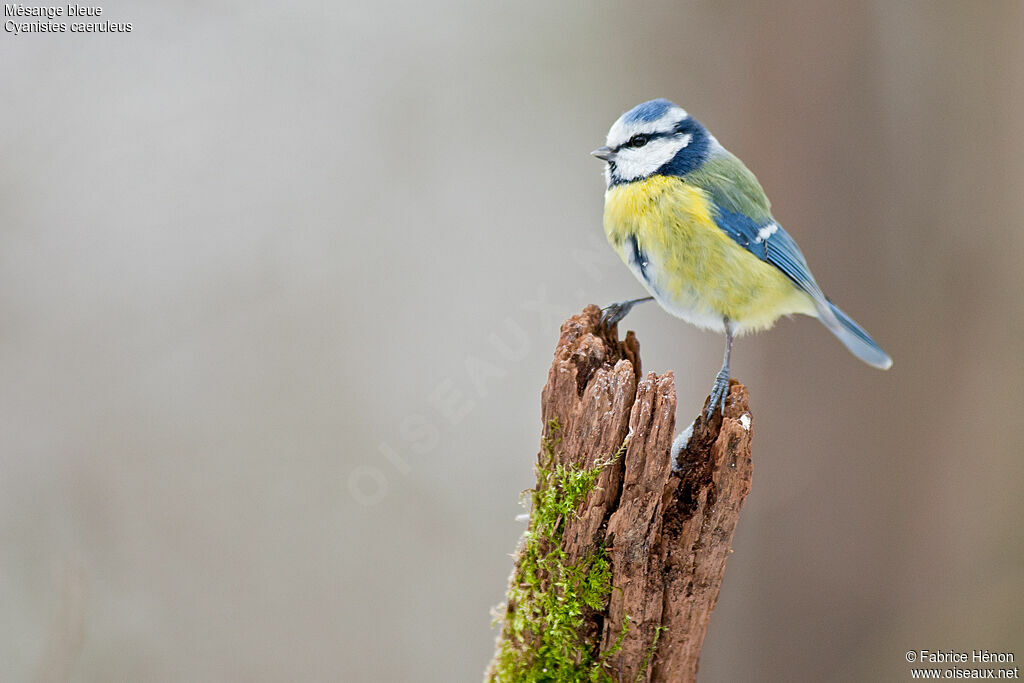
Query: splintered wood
(666, 527)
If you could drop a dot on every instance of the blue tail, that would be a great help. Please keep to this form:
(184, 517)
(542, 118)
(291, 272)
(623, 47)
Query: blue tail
(853, 336)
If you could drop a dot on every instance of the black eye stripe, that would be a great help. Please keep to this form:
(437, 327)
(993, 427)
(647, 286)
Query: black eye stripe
(650, 137)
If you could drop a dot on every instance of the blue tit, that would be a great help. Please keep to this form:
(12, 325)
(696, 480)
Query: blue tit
(695, 227)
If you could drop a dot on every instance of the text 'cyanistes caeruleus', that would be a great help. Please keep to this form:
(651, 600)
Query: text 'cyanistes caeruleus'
(695, 227)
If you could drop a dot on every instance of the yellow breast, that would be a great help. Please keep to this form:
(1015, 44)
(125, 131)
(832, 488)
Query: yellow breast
(694, 269)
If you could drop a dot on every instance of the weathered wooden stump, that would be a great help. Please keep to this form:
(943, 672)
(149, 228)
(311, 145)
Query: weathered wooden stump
(620, 569)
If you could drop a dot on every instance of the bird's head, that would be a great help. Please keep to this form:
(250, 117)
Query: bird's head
(653, 138)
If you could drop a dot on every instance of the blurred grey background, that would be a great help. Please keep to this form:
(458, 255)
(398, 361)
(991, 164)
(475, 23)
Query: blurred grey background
(280, 285)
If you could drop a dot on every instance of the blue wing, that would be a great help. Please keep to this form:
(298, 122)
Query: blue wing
(769, 242)
(743, 212)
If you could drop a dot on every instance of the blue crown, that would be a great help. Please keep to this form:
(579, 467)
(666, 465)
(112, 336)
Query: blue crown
(648, 111)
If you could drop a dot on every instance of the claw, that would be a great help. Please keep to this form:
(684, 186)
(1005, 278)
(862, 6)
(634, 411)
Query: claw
(612, 314)
(719, 392)
(721, 388)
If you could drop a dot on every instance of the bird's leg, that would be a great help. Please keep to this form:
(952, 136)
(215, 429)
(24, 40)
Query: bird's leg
(616, 312)
(721, 388)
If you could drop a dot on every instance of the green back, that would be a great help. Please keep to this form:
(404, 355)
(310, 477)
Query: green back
(732, 186)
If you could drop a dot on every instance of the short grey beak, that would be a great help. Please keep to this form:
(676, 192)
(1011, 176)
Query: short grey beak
(605, 153)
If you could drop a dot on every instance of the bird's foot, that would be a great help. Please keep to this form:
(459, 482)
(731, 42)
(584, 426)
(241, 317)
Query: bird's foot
(612, 314)
(718, 394)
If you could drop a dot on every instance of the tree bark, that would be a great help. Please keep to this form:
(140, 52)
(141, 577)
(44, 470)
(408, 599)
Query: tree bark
(666, 527)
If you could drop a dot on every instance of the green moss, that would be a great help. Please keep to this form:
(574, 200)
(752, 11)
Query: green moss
(650, 651)
(550, 598)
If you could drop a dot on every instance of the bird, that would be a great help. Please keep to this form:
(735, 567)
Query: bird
(695, 227)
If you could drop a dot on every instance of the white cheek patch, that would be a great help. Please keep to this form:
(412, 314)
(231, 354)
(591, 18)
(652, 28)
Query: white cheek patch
(622, 131)
(639, 162)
